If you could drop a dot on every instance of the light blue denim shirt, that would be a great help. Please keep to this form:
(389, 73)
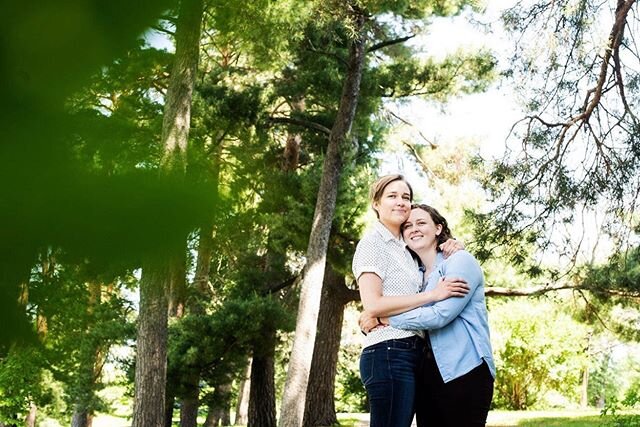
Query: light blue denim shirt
(458, 327)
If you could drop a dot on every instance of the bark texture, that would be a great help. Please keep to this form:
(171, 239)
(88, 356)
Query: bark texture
(168, 408)
(151, 354)
(162, 274)
(196, 304)
(293, 401)
(30, 421)
(242, 408)
(189, 404)
(220, 409)
(320, 404)
(262, 396)
(81, 418)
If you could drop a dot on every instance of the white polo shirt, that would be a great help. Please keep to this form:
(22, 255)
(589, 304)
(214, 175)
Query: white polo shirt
(380, 252)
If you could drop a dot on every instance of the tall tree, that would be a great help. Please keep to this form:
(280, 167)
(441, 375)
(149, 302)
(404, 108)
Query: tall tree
(320, 404)
(36, 92)
(164, 271)
(575, 65)
(392, 76)
(293, 401)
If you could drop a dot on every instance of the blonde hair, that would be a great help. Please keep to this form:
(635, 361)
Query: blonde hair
(378, 187)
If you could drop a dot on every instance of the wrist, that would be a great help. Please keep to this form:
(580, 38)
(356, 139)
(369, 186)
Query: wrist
(430, 296)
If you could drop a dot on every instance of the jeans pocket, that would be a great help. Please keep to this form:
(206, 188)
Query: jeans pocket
(367, 365)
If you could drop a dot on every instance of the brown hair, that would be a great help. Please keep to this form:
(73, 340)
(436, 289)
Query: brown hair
(437, 219)
(375, 194)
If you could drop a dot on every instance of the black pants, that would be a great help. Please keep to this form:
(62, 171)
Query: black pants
(462, 402)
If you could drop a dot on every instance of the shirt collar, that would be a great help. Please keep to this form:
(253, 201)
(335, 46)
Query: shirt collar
(386, 234)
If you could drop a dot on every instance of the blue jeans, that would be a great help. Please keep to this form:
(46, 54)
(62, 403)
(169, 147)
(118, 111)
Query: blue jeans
(388, 371)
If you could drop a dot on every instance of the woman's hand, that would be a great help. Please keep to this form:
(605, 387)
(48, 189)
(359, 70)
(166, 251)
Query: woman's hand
(451, 246)
(368, 322)
(450, 287)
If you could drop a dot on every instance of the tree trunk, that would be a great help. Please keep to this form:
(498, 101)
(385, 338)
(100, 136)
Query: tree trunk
(220, 408)
(225, 408)
(81, 418)
(213, 418)
(151, 354)
(218, 416)
(584, 396)
(262, 396)
(168, 408)
(30, 421)
(91, 364)
(320, 404)
(178, 291)
(293, 401)
(242, 408)
(159, 275)
(190, 404)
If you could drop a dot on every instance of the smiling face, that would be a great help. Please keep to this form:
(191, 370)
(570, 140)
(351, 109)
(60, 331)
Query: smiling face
(420, 232)
(394, 204)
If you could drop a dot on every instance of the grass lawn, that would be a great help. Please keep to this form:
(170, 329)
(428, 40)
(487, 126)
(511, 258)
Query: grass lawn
(586, 418)
(576, 418)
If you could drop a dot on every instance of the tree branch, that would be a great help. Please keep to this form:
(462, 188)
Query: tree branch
(497, 291)
(277, 287)
(299, 122)
(163, 30)
(387, 43)
(406, 122)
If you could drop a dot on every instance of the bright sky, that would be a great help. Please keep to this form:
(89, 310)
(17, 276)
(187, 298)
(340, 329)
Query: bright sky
(485, 117)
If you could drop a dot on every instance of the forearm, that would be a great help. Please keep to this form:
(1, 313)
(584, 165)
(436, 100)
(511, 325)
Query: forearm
(422, 318)
(389, 305)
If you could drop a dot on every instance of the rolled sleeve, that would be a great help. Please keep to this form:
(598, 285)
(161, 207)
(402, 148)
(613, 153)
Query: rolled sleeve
(368, 258)
(461, 265)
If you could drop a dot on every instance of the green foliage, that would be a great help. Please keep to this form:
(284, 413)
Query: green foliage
(538, 348)
(613, 409)
(78, 320)
(22, 382)
(559, 175)
(263, 29)
(412, 9)
(614, 285)
(604, 380)
(350, 393)
(216, 345)
(50, 196)
(456, 74)
(620, 272)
